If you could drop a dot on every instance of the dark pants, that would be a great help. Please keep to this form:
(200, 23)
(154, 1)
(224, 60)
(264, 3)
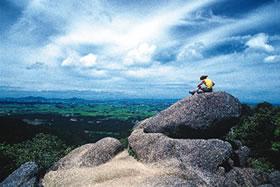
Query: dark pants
(201, 90)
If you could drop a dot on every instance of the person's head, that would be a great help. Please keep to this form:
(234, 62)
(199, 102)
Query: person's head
(202, 77)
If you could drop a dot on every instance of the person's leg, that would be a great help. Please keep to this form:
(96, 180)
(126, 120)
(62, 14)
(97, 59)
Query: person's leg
(192, 92)
(206, 89)
(199, 90)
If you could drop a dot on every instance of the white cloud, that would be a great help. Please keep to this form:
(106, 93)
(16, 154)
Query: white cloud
(191, 52)
(259, 18)
(205, 16)
(125, 31)
(101, 74)
(272, 59)
(71, 60)
(142, 55)
(89, 60)
(260, 41)
(125, 38)
(75, 60)
(155, 74)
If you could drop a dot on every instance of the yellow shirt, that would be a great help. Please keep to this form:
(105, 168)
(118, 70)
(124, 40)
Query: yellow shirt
(208, 83)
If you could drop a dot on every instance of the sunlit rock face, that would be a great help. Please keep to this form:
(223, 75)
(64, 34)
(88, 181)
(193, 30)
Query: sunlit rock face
(208, 115)
(90, 155)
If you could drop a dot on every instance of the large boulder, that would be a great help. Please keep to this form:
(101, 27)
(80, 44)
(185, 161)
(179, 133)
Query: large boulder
(25, 175)
(199, 116)
(208, 115)
(90, 155)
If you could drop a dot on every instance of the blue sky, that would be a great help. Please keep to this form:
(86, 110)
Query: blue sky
(148, 48)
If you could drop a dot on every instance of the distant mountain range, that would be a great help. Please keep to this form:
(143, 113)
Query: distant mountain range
(92, 95)
(75, 100)
(14, 92)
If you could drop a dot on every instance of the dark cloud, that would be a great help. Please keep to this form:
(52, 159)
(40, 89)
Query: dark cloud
(238, 8)
(36, 66)
(225, 47)
(166, 55)
(9, 13)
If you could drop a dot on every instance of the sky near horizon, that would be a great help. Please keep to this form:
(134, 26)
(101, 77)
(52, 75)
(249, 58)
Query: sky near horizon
(141, 48)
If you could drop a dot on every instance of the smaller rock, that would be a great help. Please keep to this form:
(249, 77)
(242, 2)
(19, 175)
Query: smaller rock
(30, 183)
(242, 154)
(230, 163)
(266, 185)
(237, 143)
(274, 178)
(90, 155)
(221, 171)
(245, 177)
(25, 175)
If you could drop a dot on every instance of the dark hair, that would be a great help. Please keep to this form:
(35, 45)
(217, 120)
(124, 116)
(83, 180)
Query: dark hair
(202, 77)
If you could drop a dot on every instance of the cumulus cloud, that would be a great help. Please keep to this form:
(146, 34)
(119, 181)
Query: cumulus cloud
(260, 41)
(191, 52)
(87, 61)
(142, 55)
(272, 59)
(87, 66)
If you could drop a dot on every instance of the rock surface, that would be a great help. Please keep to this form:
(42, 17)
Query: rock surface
(242, 154)
(199, 153)
(274, 178)
(197, 114)
(90, 155)
(244, 177)
(208, 115)
(123, 170)
(25, 175)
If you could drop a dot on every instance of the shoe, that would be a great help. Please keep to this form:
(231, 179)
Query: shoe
(192, 92)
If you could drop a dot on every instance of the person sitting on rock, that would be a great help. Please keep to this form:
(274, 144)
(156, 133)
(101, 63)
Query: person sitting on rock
(208, 85)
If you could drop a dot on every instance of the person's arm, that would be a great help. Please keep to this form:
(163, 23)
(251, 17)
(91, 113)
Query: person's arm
(199, 85)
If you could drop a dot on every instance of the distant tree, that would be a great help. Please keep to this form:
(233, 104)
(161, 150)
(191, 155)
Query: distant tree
(260, 130)
(276, 140)
(44, 149)
(7, 166)
(265, 106)
(246, 110)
